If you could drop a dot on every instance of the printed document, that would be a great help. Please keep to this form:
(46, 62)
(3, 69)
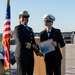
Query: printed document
(46, 46)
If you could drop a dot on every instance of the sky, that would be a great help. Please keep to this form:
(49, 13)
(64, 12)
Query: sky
(62, 10)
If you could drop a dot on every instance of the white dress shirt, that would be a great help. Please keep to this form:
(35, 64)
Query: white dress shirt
(48, 32)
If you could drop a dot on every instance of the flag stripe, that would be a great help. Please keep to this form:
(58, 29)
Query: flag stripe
(6, 34)
(6, 20)
(6, 27)
(6, 30)
(6, 37)
(6, 23)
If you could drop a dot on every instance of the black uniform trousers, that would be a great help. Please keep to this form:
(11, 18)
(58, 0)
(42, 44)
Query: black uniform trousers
(53, 66)
(25, 65)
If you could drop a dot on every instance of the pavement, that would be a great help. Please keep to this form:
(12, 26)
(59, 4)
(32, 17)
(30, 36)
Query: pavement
(13, 72)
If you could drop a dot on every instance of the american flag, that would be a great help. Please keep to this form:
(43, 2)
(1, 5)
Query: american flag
(6, 37)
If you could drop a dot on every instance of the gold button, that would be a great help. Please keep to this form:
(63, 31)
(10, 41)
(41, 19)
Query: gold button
(30, 34)
(31, 41)
(31, 37)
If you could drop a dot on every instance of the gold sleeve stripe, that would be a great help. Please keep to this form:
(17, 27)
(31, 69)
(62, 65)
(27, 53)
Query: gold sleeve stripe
(28, 45)
(59, 45)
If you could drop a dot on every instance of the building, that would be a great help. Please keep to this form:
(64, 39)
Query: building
(69, 37)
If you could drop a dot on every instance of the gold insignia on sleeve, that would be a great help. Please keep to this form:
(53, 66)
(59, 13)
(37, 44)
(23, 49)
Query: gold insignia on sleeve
(28, 45)
(59, 45)
(32, 30)
(31, 41)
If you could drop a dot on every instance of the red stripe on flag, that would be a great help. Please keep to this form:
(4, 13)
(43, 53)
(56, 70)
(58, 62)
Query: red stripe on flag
(6, 29)
(7, 23)
(6, 37)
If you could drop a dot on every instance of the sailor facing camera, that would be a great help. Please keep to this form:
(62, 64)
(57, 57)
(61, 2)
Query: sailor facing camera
(25, 45)
(52, 59)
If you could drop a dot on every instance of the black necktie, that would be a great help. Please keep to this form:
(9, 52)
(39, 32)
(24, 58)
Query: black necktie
(27, 28)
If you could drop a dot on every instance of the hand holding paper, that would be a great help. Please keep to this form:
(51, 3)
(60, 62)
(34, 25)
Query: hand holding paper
(47, 46)
(39, 54)
(36, 47)
(54, 43)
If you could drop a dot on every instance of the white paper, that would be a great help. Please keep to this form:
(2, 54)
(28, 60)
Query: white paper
(46, 46)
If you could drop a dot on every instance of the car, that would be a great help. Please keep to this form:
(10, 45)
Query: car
(12, 57)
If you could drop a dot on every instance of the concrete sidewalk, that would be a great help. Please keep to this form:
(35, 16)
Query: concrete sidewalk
(13, 72)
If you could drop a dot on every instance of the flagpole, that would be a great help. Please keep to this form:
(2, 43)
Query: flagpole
(8, 1)
(9, 60)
